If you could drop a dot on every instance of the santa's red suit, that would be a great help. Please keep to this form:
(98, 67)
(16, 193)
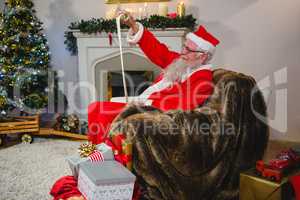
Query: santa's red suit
(195, 87)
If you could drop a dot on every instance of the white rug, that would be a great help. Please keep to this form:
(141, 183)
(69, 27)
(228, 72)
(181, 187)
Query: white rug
(28, 171)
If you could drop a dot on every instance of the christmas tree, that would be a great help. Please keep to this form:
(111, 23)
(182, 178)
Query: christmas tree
(24, 59)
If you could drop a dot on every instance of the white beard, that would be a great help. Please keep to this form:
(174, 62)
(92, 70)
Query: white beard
(177, 69)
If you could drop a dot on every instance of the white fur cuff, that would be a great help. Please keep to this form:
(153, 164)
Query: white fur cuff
(135, 38)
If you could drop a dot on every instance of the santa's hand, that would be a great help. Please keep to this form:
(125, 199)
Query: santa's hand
(128, 19)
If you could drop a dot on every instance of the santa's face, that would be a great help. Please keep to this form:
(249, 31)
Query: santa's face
(191, 55)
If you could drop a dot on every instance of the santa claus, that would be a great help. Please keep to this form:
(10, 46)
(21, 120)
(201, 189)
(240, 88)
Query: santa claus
(185, 82)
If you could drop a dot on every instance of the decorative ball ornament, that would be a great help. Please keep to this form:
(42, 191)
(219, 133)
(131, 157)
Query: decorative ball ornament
(24, 35)
(66, 127)
(4, 48)
(1, 24)
(73, 121)
(1, 76)
(13, 46)
(3, 101)
(68, 123)
(26, 139)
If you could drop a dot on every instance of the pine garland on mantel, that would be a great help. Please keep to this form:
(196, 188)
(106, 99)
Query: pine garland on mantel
(109, 26)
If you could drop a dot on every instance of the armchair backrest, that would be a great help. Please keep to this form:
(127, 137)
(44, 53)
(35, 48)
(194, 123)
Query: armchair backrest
(238, 101)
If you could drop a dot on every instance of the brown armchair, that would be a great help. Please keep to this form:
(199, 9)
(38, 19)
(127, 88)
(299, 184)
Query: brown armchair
(199, 154)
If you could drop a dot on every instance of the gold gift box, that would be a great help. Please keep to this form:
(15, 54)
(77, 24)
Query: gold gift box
(253, 187)
(127, 150)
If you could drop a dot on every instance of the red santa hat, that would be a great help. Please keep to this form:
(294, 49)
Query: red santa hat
(204, 39)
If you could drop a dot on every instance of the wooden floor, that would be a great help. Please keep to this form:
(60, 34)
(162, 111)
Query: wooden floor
(50, 131)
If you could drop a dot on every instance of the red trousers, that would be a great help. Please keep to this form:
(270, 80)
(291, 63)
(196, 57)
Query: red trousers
(100, 116)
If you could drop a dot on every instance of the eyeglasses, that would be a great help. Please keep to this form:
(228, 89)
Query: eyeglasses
(190, 50)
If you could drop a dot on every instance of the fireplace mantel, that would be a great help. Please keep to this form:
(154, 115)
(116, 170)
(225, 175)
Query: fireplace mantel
(95, 48)
(168, 32)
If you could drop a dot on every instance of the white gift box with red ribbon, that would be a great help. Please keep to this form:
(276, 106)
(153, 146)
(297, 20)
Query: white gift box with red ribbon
(105, 181)
(102, 153)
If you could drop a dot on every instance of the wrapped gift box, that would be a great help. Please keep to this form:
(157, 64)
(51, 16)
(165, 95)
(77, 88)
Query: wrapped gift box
(118, 139)
(75, 161)
(123, 148)
(253, 187)
(105, 180)
(106, 151)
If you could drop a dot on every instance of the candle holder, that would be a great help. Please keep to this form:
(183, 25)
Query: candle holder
(181, 9)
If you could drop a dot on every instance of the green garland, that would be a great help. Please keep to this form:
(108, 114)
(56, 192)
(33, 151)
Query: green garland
(109, 26)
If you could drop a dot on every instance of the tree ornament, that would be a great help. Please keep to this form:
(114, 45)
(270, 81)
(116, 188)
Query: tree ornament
(3, 70)
(1, 76)
(69, 123)
(13, 46)
(66, 127)
(1, 23)
(3, 101)
(24, 35)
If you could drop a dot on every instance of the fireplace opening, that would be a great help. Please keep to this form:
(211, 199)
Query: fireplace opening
(136, 81)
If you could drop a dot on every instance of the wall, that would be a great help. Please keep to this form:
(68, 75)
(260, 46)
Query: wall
(258, 37)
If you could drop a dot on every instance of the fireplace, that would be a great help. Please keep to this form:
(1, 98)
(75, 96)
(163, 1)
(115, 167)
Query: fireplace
(98, 60)
(136, 82)
(139, 72)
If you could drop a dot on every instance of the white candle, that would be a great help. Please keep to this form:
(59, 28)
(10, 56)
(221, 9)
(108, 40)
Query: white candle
(145, 10)
(181, 9)
(140, 13)
(162, 9)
